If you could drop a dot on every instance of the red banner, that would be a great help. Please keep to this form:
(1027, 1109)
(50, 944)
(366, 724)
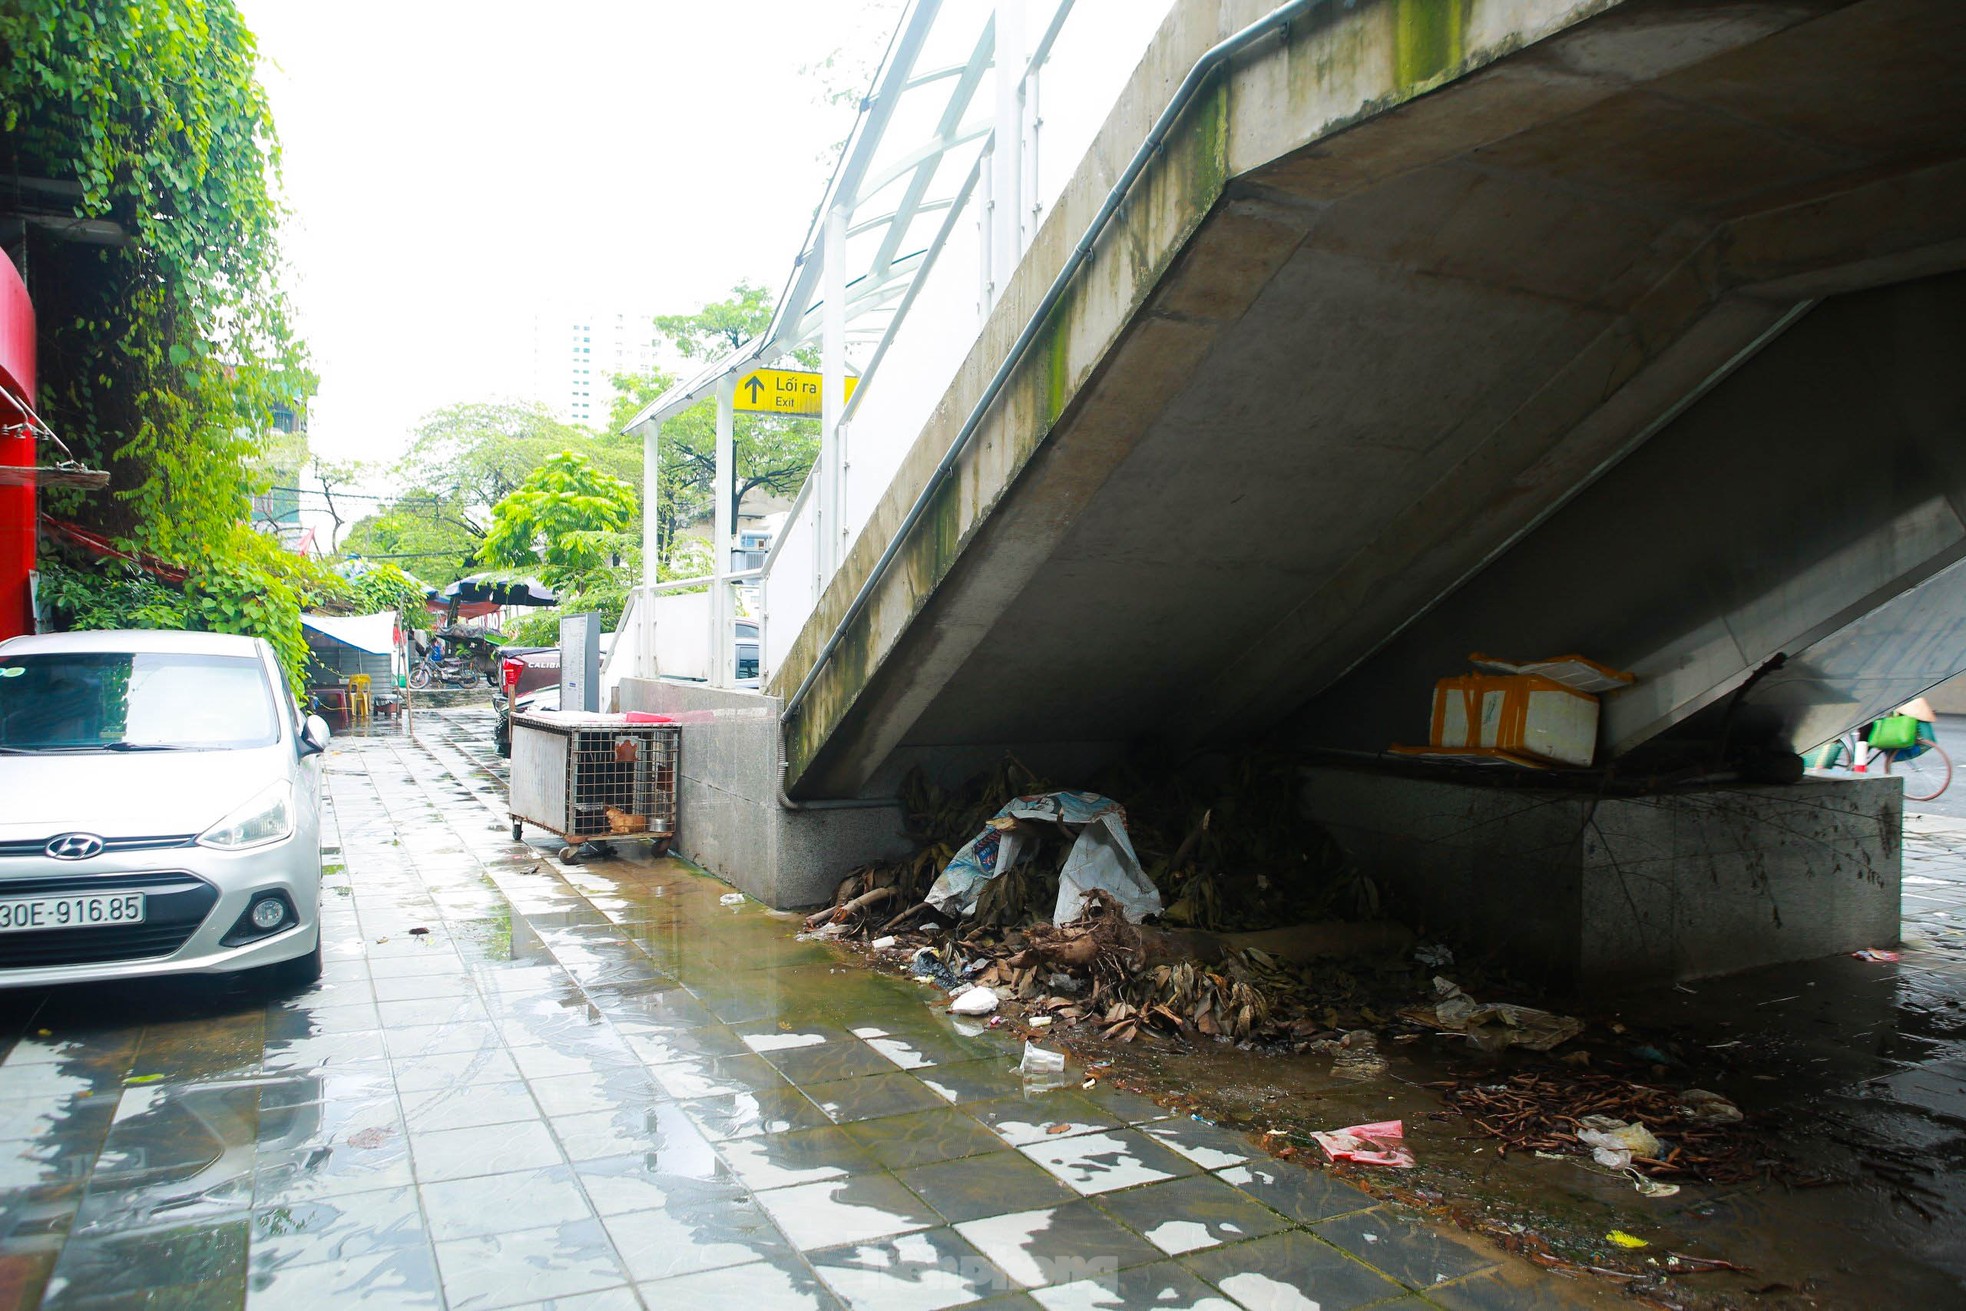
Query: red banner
(16, 448)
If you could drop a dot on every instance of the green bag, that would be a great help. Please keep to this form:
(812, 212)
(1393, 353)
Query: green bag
(1894, 733)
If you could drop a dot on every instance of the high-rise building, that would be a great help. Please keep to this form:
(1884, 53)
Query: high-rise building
(576, 353)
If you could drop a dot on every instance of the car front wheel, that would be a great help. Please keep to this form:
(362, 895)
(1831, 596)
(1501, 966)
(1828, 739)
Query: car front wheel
(290, 976)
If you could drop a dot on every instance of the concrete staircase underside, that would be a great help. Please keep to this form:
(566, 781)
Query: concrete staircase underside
(1400, 289)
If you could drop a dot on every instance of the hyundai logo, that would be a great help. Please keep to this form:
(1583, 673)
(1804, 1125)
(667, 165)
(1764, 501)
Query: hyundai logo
(74, 846)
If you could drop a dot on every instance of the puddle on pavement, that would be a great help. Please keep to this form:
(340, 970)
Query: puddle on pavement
(587, 1079)
(1857, 1075)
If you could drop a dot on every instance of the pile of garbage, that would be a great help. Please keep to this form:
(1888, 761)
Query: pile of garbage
(1202, 925)
(1223, 849)
(1047, 910)
(1247, 928)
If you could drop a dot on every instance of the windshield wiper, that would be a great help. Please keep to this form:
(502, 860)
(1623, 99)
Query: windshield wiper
(139, 746)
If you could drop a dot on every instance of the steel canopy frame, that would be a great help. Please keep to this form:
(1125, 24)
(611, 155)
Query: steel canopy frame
(796, 321)
(856, 276)
(792, 322)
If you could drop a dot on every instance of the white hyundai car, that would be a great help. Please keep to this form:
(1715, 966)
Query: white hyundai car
(160, 810)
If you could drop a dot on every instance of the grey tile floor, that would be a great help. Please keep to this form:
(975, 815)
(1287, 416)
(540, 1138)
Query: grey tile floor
(595, 1086)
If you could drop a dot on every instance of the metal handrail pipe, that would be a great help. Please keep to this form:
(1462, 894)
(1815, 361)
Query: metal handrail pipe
(678, 584)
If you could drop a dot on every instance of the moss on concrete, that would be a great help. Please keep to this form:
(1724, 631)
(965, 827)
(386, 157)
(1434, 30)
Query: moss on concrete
(1429, 39)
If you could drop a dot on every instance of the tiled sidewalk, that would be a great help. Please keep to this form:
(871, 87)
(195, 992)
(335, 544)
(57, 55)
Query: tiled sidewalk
(1934, 895)
(598, 1087)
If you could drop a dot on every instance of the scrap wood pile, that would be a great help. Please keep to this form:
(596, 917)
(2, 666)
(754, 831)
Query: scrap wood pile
(1139, 976)
(1619, 1124)
(1259, 986)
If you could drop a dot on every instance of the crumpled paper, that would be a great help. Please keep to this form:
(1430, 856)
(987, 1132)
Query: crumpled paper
(1383, 1143)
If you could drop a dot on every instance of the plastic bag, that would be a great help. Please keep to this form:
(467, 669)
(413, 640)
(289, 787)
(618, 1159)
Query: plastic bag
(1383, 1143)
(977, 1001)
(1101, 857)
(1614, 1143)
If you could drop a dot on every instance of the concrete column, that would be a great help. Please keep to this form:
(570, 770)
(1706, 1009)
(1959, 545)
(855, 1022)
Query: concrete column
(651, 517)
(986, 238)
(645, 666)
(832, 396)
(1007, 152)
(723, 533)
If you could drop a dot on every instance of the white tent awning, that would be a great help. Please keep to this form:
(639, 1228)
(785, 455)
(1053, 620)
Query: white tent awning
(375, 633)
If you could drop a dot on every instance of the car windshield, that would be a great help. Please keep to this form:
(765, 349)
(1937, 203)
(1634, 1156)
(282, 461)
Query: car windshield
(121, 700)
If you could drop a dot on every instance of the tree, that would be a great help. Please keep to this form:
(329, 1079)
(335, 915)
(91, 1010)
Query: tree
(333, 475)
(721, 326)
(477, 454)
(567, 517)
(462, 461)
(164, 354)
(605, 592)
(422, 532)
(374, 586)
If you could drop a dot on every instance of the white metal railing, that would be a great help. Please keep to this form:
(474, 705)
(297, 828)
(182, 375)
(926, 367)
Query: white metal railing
(949, 172)
(1091, 46)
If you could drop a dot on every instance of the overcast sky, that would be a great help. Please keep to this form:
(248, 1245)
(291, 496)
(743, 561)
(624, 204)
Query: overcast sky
(453, 166)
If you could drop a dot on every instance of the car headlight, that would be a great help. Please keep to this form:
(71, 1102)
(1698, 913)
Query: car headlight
(268, 817)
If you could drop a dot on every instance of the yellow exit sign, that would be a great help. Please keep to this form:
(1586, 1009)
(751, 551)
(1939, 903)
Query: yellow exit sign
(784, 391)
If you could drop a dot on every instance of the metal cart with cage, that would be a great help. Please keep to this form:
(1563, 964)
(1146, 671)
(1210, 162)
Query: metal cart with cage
(594, 779)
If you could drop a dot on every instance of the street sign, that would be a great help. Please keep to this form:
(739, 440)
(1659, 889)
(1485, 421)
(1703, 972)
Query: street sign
(783, 391)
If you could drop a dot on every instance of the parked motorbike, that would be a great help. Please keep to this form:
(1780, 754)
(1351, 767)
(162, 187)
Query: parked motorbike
(469, 656)
(451, 671)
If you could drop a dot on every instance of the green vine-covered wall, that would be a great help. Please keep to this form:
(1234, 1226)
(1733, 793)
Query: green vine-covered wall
(162, 355)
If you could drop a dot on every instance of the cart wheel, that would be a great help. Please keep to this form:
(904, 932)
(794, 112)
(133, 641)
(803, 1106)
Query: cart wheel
(570, 854)
(518, 831)
(605, 850)
(659, 849)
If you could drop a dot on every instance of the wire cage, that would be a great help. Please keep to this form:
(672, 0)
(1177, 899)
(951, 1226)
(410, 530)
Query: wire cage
(594, 778)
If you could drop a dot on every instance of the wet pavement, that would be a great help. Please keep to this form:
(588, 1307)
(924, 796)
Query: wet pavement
(523, 1083)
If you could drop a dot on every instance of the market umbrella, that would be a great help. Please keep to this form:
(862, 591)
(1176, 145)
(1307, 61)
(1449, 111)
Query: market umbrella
(491, 588)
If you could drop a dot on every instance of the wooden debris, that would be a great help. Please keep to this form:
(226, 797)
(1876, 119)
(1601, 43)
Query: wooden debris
(1542, 1112)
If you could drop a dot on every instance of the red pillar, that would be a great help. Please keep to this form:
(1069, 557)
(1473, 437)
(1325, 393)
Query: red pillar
(17, 509)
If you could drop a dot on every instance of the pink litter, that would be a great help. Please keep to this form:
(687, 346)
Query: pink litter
(1877, 955)
(1368, 1144)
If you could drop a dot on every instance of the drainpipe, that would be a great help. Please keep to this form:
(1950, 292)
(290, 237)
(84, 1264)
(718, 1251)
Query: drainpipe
(828, 803)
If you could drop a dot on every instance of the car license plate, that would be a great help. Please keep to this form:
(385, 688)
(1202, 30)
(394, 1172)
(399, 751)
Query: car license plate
(90, 911)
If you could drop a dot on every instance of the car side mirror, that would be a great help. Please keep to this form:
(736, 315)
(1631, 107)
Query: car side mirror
(314, 736)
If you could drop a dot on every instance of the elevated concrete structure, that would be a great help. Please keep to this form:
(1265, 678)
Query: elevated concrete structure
(1405, 283)
(1812, 508)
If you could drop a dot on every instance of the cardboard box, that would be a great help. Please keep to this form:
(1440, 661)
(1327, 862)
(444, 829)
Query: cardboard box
(1508, 715)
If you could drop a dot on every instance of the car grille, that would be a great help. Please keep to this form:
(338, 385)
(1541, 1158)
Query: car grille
(175, 905)
(36, 846)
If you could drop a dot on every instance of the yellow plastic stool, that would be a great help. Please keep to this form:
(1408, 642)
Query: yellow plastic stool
(358, 697)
